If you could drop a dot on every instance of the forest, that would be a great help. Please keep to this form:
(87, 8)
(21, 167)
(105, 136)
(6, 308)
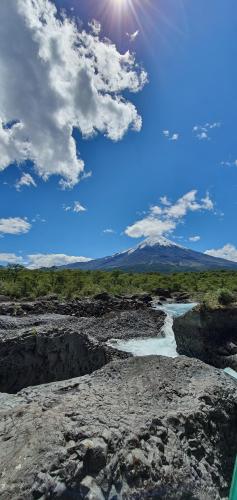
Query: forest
(17, 282)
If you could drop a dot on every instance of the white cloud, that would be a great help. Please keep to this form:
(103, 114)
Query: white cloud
(203, 136)
(164, 200)
(150, 226)
(35, 261)
(55, 78)
(10, 258)
(213, 125)
(201, 132)
(228, 252)
(109, 231)
(133, 36)
(163, 220)
(86, 175)
(170, 136)
(174, 137)
(77, 207)
(14, 225)
(194, 239)
(95, 27)
(25, 180)
(187, 203)
(229, 163)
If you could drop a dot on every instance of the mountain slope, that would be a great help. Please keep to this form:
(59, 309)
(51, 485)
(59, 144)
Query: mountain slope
(154, 255)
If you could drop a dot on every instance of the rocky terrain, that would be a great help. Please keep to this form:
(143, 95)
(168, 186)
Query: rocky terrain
(209, 335)
(84, 307)
(41, 348)
(139, 428)
(48, 348)
(81, 420)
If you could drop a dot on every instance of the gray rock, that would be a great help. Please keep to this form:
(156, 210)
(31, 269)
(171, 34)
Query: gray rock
(85, 307)
(90, 490)
(36, 349)
(40, 349)
(126, 325)
(153, 427)
(209, 335)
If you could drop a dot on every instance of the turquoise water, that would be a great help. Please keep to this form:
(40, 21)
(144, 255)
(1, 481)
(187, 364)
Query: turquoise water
(164, 346)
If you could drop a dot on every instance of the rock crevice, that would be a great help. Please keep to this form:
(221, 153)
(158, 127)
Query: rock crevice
(47, 351)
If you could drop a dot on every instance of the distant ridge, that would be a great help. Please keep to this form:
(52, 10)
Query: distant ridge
(156, 255)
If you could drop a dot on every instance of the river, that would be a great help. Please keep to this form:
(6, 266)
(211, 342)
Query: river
(163, 346)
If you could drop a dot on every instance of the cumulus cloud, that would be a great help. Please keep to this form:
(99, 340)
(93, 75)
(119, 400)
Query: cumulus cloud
(25, 180)
(76, 207)
(54, 78)
(202, 132)
(10, 258)
(133, 36)
(35, 261)
(228, 252)
(164, 219)
(194, 239)
(14, 225)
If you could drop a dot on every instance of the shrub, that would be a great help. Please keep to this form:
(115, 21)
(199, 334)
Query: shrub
(225, 297)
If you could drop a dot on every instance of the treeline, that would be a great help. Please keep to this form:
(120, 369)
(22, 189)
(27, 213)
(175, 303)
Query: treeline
(17, 282)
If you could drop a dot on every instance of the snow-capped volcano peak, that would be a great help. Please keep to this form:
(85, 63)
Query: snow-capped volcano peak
(156, 240)
(160, 241)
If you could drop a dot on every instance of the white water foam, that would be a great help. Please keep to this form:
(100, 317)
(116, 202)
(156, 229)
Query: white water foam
(163, 346)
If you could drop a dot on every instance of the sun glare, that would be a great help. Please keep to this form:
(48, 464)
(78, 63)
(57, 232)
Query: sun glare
(123, 8)
(127, 16)
(121, 3)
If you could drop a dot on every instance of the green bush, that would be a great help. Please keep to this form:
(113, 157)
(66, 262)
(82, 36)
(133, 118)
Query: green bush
(225, 297)
(215, 298)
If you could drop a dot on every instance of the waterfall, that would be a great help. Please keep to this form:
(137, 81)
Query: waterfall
(164, 345)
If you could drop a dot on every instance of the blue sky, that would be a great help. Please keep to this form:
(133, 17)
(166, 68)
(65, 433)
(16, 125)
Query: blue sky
(188, 50)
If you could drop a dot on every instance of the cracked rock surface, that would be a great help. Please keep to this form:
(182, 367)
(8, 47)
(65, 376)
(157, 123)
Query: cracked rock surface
(140, 428)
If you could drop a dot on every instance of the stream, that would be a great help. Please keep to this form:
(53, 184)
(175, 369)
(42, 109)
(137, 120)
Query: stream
(163, 346)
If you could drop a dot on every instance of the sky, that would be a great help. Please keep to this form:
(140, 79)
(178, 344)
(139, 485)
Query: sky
(117, 123)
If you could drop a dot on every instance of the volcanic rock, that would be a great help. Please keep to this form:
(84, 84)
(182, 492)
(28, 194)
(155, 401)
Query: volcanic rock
(142, 428)
(209, 335)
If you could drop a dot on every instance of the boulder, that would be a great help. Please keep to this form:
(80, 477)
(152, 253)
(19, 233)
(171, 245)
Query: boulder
(154, 427)
(103, 296)
(209, 335)
(162, 292)
(4, 298)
